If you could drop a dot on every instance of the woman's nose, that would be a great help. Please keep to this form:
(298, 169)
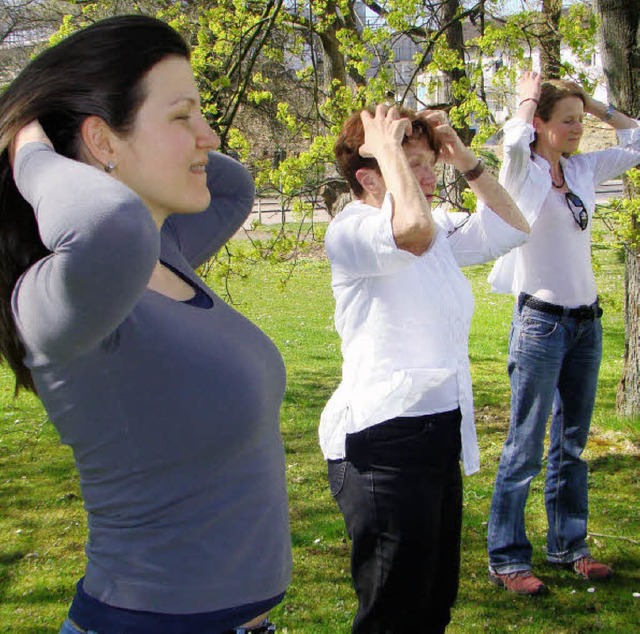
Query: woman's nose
(207, 138)
(428, 176)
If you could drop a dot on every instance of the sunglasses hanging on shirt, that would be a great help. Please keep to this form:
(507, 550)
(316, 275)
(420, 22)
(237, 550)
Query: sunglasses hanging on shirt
(578, 210)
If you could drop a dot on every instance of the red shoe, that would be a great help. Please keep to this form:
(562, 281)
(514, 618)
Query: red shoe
(520, 582)
(588, 568)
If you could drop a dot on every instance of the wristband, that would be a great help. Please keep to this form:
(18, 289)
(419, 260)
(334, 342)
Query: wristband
(608, 113)
(474, 172)
(528, 99)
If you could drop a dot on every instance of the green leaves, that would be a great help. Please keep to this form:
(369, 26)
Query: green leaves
(283, 76)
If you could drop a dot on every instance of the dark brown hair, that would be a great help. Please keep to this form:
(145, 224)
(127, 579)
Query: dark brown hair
(351, 138)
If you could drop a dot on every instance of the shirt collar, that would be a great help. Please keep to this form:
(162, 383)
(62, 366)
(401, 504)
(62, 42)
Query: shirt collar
(542, 162)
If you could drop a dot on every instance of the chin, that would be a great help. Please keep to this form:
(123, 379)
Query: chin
(193, 208)
(200, 205)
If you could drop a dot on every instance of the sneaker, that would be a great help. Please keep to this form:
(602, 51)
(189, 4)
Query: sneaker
(520, 582)
(588, 568)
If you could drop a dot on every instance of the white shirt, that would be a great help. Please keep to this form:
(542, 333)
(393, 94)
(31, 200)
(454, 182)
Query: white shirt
(404, 320)
(527, 178)
(555, 263)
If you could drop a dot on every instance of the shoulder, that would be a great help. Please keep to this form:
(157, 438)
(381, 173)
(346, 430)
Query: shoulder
(586, 160)
(517, 129)
(350, 215)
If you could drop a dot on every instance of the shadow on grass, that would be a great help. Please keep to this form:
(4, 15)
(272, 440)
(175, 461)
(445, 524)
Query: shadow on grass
(312, 389)
(615, 463)
(41, 595)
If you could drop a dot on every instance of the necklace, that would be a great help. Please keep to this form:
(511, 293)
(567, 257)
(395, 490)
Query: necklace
(561, 185)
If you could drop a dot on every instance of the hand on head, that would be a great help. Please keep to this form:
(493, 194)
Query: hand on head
(529, 87)
(530, 90)
(452, 149)
(384, 129)
(29, 133)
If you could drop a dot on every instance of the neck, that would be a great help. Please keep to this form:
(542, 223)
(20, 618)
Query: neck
(555, 167)
(375, 200)
(552, 156)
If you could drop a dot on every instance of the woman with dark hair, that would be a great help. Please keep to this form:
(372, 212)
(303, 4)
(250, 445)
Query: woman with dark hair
(394, 430)
(111, 193)
(555, 343)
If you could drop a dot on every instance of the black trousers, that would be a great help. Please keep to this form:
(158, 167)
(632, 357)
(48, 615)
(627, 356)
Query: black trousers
(400, 492)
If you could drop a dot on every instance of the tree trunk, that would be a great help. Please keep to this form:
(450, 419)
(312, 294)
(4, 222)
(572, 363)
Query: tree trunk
(621, 52)
(628, 396)
(334, 59)
(455, 39)
(550, 39)
(621, 60)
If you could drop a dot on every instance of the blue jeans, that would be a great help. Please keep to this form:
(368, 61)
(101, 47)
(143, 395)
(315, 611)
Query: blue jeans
(69, 627)
(553, 364)
(400, 492)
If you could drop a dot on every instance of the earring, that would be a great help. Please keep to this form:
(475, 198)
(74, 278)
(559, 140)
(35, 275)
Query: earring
(109, 167)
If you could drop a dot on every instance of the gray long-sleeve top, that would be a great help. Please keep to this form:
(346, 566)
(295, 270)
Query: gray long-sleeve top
(171, 410)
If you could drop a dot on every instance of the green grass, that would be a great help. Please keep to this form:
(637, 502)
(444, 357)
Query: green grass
(42, 525)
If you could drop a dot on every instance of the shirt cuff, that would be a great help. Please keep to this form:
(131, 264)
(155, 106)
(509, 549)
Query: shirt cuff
(629, 136)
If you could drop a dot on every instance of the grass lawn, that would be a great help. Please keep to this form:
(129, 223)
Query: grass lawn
(42, 524)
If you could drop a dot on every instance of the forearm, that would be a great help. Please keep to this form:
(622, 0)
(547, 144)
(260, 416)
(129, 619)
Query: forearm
(489, 191)
(528, 96)
(527, 109)
(104, 246)
(412, 222)
(617, 120)
(232, 194)
(81, 209)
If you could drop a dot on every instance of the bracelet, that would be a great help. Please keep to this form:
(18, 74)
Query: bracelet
(474, 172)
(528, 99)
(608, 113)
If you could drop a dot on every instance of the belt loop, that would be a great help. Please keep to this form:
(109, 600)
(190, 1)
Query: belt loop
(521, 300)
(597, 309)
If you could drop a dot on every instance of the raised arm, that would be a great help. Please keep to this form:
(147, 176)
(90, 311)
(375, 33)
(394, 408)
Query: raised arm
(519, 134)
(201, 235)
(103, 242)
(528, 95)
(608, 114)
(485, 186)
(412, 224)
(613, 162)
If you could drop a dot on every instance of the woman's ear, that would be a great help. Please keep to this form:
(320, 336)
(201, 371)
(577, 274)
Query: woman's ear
(370, 180)
(537, 123)
(99, 142)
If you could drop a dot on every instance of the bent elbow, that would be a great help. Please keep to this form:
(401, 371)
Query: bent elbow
(416, 242)
(522, 225)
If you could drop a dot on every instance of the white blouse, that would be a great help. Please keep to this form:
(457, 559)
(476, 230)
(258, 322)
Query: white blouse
(404, 320)
(555, 263)
(527, 178)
